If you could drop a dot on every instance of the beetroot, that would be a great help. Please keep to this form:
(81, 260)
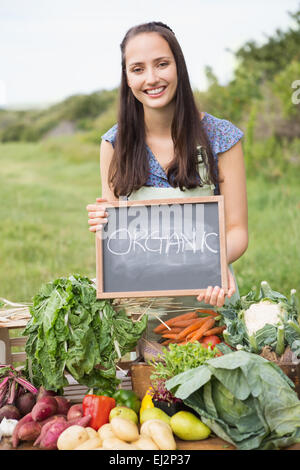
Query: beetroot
(44, 407)
(63, 405)
(29, 431)
(76, 411)
(9, 412)
(25, 403)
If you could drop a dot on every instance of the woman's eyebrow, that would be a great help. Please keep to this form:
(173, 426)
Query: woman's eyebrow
(154, 60)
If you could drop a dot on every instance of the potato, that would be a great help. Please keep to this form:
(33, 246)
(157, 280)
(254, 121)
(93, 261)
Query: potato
(44, 408)
(29, 431)
(125, 429)
(90, 444)
(145, 443)
(113, 443)
(145, 428)
(91, 432)
(162, 436)
(72, 437)
(106, 432)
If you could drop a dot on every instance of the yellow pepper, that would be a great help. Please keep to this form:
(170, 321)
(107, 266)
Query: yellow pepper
(146, 401)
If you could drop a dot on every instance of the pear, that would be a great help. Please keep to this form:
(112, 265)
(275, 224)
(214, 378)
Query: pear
(154, 413)
(188, 427)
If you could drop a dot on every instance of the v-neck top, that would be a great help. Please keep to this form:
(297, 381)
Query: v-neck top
(222, 135)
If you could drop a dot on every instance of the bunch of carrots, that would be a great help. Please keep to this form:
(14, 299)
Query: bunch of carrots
(189, 327)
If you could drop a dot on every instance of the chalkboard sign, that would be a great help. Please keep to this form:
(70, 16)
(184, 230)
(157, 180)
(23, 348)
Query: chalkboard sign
(165, 247)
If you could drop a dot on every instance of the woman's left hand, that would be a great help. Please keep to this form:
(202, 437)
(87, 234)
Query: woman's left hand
(215, 296)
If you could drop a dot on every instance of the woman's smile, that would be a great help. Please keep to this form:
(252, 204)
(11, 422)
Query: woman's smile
(155, 92)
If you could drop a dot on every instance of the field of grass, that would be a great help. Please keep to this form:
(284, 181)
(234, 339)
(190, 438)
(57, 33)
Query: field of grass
(44, 190)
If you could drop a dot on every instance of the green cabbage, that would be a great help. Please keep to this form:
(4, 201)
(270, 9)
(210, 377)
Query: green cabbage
(244, 399)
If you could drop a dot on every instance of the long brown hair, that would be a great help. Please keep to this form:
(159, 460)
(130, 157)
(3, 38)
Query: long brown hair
(129, 168)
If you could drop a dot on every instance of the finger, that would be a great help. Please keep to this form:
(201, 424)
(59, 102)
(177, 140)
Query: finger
(214, 295)
(231, 291)
(97, 214)
(208, 294)
(95, 207)
(99, 199)
(221, 298)
(96, 228)
(200, 297)
(97, 221)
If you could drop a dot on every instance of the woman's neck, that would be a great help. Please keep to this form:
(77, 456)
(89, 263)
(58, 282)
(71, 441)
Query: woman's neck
(158, 122)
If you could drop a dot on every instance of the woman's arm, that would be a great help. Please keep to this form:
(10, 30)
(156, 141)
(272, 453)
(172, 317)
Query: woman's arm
(233, 188)
(232, 175)
(97, 212)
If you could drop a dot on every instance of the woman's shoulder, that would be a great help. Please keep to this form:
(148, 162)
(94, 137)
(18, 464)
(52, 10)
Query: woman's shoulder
(110, 135)
(222, 133)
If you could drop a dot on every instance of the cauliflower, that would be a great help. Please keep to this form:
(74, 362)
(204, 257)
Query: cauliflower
(261, 313)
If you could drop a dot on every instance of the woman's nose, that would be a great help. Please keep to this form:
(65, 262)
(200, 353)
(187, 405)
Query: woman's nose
(151, 76)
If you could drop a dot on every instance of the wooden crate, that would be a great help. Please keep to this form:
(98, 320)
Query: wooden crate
(74, 391)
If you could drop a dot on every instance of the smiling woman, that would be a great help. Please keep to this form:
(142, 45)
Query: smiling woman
(163, 146)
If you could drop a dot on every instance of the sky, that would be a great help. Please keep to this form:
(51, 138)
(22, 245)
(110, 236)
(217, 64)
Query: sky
(51, 49)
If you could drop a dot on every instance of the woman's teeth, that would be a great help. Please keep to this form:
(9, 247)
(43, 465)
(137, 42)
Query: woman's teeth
(155, 91)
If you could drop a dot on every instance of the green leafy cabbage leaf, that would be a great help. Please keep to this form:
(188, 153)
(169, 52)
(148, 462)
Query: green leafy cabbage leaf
(244, 399)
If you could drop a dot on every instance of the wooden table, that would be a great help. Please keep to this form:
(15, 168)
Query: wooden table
(213, 443)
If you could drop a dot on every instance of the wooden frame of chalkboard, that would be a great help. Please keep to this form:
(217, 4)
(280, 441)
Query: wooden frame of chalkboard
(120, 277)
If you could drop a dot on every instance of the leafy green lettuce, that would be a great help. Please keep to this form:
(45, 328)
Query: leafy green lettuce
(72, 331)
(244, 399)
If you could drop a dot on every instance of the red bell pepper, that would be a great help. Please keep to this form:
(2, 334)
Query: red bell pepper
(98, 407)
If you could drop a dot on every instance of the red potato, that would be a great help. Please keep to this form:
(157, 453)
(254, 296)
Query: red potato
(29, 431)
(44, 393)
(63, 405)
(46, 426)
(75, 411)
(15, 436)
(49, 439)
(45, 407)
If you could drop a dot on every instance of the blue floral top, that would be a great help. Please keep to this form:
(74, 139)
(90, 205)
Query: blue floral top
(222, 135)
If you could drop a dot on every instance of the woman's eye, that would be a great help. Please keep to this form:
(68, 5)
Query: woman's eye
(137, 70)
(163, 64)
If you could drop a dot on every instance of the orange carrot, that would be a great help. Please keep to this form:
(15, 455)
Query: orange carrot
(170, 336)
(165, 343)
(184, 323)
(209, 311)
(172, 330)
(208, 324)
(214, 331)
(172, 321)
(192, 327)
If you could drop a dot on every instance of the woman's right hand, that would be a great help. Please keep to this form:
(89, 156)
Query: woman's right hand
(97, 215)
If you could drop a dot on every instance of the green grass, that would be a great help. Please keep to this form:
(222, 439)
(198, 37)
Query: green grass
(44, 190)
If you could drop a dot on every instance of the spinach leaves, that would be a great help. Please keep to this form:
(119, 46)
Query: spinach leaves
(72, 331)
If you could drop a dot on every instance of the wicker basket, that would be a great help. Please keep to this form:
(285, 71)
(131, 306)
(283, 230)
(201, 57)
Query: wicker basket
(140, 378)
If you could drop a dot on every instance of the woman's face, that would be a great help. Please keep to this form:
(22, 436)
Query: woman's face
(151, 70)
